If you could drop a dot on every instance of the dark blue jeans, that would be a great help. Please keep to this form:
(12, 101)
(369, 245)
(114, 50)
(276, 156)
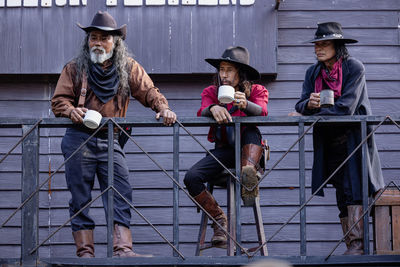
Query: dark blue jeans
(80, 170)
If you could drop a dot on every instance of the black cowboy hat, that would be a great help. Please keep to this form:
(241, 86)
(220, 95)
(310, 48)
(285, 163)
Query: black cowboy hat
(238, 55)
(330, 31)
(103, 21)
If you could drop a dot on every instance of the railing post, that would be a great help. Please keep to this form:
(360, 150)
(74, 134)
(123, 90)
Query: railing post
(237, 186)
(110, 193)
(302, 194)
(364, 168)
(175, 188)
(29, 183)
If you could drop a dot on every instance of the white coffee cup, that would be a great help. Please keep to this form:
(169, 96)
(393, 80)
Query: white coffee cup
(327, 98)
(92, 119)
(226, 94)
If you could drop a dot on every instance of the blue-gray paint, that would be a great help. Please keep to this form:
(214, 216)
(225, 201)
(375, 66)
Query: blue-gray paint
(165, 39)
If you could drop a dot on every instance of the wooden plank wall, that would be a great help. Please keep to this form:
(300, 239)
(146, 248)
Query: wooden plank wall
(373, 23)
(173, 39)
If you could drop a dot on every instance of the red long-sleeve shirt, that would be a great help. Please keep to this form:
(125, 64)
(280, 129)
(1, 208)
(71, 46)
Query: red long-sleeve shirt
(209, 96)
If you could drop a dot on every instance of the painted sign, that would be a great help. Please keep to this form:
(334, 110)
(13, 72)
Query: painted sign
(165, 38)
(49, 3)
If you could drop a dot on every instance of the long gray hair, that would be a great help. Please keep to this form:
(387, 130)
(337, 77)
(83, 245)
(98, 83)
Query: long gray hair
(119, 58)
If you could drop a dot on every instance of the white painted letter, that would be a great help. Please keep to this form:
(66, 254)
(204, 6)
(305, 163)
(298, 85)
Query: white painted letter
(208, 2)
(13, 3)
(133, 2)
(31, 3)
(155, 2)
(111, 2)
(188, 2)
(173, 2)
(46, 3)
(247, 2)
(2, 2)
(226, 2)
(74, 2)
(61, 2)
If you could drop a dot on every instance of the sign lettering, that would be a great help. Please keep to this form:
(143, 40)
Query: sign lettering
(128, 3)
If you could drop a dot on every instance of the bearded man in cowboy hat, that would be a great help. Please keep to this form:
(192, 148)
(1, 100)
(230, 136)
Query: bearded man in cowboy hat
(110, 76)
(233, 69)
(345, 75)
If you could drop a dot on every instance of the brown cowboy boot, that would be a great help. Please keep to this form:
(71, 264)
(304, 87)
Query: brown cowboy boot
(207, 201)
(356, 238)
(251, 155)
(345, 228)
(122, 243)
(84, 243)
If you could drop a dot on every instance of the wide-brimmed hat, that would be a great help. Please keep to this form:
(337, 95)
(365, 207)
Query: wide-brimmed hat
(238, 55)
(105, 22)
(330, 31)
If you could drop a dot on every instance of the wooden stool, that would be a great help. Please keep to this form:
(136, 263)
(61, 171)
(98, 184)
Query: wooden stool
(221, 181)
(386, 223)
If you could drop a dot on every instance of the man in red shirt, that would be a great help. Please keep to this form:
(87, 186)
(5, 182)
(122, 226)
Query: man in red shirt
(250, 100)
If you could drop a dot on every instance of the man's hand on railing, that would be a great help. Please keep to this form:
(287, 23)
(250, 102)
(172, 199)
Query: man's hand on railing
(77, 115)
(168, 115)
(220, 114)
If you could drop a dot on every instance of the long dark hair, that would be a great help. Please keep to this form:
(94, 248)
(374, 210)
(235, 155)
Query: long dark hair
(341, 49)
(244, 84)
(119, 58)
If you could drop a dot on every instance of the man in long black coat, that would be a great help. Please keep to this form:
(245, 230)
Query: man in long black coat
(345, 75)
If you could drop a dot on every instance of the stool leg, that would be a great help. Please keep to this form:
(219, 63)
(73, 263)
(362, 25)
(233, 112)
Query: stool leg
(203, 226)
(260, 226)
(202, 234)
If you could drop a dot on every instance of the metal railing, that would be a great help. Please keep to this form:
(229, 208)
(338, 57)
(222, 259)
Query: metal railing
(30, 174)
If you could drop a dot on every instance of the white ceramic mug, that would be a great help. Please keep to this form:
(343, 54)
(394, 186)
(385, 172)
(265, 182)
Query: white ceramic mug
(327, 98)
(226, 94)
(92, 119)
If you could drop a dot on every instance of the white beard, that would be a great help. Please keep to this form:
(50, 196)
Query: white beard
(100, 57)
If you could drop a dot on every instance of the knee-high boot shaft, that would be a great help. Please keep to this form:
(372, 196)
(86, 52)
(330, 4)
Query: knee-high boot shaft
(84, 243)
(345, 227)
(207, 201)
(356, 235)
(251, 155)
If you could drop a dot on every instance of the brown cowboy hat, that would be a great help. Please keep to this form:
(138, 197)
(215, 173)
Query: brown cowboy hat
(238, 55)
(103, 21)
(330, 31)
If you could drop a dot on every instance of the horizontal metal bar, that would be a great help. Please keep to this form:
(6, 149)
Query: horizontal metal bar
(205, 121)
(365, 260)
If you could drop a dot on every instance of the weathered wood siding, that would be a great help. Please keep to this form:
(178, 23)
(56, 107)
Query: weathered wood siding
(373, 23)
(167, 39)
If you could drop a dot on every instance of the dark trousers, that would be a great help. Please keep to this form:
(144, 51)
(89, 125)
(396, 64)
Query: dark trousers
(207, 168)
(336, 153)
(80, 171)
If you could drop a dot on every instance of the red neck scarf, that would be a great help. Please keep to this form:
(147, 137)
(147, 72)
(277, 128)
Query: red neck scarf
(333, 79)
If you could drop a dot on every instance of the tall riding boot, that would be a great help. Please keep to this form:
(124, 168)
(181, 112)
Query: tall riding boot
(207, 201)
(122, 243)
(356, 237)
(84, 243)
(345, 228)
(251, 155)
